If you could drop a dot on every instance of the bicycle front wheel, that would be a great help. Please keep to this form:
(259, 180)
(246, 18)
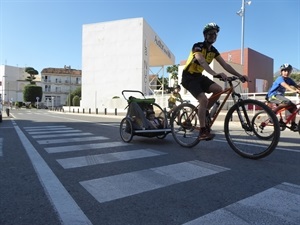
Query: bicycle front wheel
(185, 125)
(126, 130)
(243, 132)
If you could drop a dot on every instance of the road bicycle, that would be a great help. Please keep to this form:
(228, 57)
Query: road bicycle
(240, 128)
(284, 122)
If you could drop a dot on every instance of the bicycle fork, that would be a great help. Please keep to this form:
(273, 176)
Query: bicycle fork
(242, 114)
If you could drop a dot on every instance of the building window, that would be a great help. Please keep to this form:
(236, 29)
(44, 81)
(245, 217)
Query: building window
(47, 88)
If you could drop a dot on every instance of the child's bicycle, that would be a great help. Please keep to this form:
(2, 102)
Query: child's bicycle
(170, 112)
(280, 114)
(240, 127)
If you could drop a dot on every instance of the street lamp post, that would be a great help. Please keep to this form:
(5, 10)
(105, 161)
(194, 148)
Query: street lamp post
(8, 100)
(242, 13)
(52, 102)
(3, 89)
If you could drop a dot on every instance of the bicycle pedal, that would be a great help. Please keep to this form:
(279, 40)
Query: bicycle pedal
(209, 139)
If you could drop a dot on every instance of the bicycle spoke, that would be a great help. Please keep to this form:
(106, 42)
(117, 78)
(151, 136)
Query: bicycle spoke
(254, 138)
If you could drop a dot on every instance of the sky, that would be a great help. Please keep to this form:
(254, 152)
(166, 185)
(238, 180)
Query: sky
(48, 33)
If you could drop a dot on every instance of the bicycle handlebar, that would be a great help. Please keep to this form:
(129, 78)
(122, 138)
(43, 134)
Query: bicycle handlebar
(185, 101)
(232, 78)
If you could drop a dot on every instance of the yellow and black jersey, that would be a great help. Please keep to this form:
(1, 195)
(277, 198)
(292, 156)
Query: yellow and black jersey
(192, 65)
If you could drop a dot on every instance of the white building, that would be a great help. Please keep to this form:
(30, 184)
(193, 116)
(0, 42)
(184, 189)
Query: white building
(118, 55)
(13, 81)
(56, 84)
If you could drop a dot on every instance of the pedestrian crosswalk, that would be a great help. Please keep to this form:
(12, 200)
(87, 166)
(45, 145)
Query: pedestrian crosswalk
(118, 186)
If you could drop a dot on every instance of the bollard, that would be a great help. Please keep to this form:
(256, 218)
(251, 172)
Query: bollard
(116, 113)
(96, 110)
(77, 110)
(82, 110)
(105, 111)
(7, 112)
(89, 110)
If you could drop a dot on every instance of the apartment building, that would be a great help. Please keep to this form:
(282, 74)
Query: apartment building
(58, 83)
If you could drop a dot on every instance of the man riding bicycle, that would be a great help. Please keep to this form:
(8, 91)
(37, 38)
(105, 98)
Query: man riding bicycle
(276, 93)
(201, 55)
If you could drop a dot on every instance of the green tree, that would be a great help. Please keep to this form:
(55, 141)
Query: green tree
(173, 70)
(162, 81)
(295, 77)
(32, 73)
(72, 95)
(31, 92)
(76, 100)
(77, 92)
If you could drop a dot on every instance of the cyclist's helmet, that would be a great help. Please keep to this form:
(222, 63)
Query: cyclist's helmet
(286, 66)
(211, 26)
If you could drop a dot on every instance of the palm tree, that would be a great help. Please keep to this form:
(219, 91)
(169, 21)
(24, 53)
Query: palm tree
(173, 70)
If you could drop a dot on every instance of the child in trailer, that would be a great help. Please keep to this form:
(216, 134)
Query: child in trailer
(154, 122)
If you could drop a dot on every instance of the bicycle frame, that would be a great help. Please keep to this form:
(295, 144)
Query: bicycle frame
(229, 91)
(290, 117)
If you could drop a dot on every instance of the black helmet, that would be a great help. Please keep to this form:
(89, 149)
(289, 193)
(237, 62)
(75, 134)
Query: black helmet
(286, 66)
(178, 87)
(211, 26)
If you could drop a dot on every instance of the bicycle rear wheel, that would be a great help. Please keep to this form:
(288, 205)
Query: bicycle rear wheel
(241, 129)
(262, 125)
(185, 125)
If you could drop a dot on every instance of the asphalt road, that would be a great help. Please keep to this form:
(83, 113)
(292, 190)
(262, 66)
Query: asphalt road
(59, 168)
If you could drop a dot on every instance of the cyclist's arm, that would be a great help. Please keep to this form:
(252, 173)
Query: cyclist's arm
(179, 98)
(290, 88)
(204, 64)
(229, 68)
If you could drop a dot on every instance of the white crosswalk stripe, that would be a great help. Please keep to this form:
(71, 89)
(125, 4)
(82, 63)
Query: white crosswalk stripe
(69, 130)
(71, 140)
(277, 205)
(107, 158)
(71, 148)
(60, 135)
(120, 186)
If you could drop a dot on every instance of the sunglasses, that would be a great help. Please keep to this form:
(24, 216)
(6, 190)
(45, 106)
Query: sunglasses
(212, 33)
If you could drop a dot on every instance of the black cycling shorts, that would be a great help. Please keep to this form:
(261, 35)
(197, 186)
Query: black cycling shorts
(196, 83)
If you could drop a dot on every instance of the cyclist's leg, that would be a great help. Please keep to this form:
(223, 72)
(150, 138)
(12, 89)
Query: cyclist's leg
(202, 99)
(169, 112)
(208, 86)
(284, 102)
(197, 85)
(214, 89)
